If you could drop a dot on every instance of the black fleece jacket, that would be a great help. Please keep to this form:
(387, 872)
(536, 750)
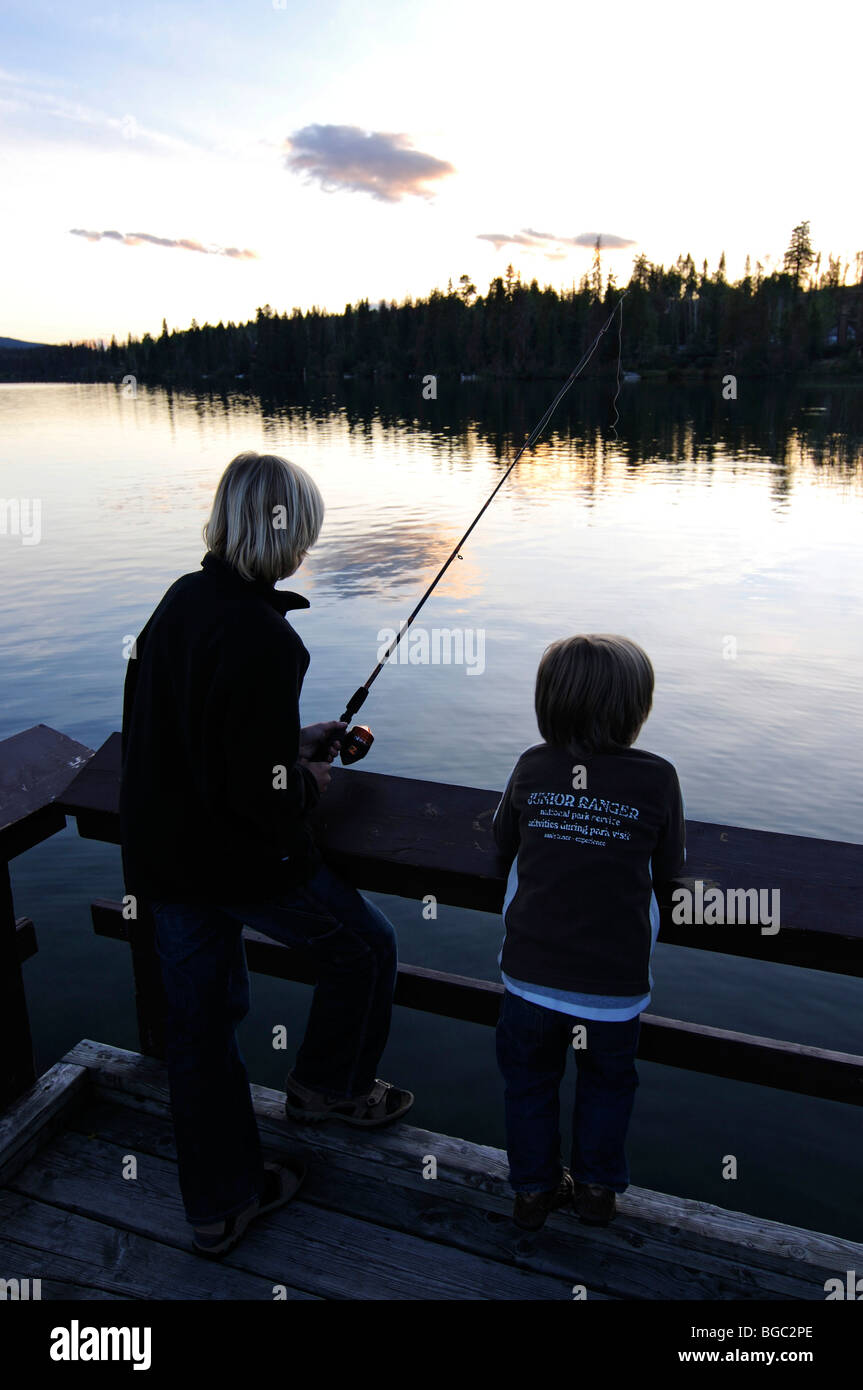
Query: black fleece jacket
(588, 848)
(210, 716)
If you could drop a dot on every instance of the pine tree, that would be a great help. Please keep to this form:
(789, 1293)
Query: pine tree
(596, 272)
(800, 255)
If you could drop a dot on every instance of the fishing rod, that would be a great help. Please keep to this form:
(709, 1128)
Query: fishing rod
(355, 743)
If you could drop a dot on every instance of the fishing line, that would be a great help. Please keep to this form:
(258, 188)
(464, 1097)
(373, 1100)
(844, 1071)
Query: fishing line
(619, 357)
(356, 743)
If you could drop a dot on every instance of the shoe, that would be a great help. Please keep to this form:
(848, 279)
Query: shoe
(531, 1209)
(382, 1105)
(593, 1204)
(280, 1185)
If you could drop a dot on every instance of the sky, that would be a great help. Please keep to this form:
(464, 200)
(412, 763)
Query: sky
(196, 160)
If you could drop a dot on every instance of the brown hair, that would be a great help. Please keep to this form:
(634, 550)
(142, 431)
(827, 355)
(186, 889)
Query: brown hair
(593, 691)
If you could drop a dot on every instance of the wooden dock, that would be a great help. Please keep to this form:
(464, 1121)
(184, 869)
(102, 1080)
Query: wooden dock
(369, 1222)
(366, 1224)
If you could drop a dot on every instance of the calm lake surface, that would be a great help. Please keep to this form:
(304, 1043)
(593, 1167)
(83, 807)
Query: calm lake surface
(725, 537)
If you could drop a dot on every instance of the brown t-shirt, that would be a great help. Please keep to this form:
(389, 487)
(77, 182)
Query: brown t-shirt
(590, 837)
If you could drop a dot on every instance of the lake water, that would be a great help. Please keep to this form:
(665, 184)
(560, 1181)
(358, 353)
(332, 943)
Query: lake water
(725, 537)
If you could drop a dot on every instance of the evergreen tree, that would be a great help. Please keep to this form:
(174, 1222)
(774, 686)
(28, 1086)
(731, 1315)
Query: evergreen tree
(800, 255)
(596, 272)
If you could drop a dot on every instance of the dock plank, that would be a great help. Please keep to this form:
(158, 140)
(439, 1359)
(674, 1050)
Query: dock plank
(65, 1284)
(31, 1120)
(323, 1252)
(75, 1252)
(759, 1247)
(607, 1261)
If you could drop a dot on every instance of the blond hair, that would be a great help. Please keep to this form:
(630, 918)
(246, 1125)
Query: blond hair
(593, 692)
(266, 516)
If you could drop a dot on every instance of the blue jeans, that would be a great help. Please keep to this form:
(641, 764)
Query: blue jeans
(353, 947)
(532, 1047)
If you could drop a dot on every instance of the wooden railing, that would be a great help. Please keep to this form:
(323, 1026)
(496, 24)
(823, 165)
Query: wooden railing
(413, 838)
(35, 766)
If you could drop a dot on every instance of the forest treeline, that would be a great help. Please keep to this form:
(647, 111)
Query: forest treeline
(676, 320)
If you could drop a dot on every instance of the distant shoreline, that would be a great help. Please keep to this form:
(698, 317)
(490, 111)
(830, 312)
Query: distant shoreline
(831, 372)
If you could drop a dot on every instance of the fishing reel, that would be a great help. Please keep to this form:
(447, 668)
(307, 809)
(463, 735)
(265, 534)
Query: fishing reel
(355, 743)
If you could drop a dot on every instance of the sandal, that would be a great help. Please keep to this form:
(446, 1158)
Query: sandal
(382, 1105)
(280, 1185)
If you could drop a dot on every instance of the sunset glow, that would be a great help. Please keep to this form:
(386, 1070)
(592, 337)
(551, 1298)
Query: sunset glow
(191, 160)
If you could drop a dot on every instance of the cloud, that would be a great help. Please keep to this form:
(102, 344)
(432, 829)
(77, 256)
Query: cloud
(551, 246)
(607, 240)
(500, 239)
(183, 244)
(344, 157)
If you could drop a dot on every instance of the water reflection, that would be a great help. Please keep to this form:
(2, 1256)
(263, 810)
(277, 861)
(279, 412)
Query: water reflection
(793, 434)
(695, 520)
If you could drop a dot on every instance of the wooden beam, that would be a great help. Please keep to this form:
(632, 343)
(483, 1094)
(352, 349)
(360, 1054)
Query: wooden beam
(18, 1071)
(786, 1066)
(149, 991)
(95, 794)
(37, 1114)
(77, 1257)
(409, 837)
(36, 766)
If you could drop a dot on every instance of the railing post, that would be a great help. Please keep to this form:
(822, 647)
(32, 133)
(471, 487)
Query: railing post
(149, 991)
(17, 1065)
(36, 766)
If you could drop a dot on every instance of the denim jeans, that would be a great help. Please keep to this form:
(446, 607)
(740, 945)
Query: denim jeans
(532, 1047)
(352, 946)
